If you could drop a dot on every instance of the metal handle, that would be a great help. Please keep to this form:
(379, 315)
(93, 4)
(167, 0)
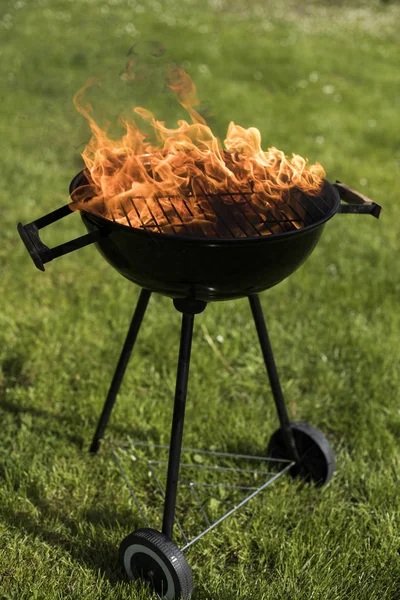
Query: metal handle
(39, 252)
(356, 203)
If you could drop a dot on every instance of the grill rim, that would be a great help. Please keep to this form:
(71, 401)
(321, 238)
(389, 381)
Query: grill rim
(108, 223)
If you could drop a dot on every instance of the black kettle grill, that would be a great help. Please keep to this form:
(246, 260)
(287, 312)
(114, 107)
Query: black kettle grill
(194, 271)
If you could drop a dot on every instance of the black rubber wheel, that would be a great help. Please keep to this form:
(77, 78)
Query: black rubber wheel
(317, 459)
(148, 555)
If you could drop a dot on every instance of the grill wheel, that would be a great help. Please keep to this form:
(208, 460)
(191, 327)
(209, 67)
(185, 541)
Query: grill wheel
(317, 459)
(148, 555)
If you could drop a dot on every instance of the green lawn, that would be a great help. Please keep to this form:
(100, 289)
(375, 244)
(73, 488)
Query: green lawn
(319, 79)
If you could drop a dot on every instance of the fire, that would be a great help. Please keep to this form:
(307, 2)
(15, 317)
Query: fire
(188, 182)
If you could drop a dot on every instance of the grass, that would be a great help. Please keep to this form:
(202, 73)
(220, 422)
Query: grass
(319, 79)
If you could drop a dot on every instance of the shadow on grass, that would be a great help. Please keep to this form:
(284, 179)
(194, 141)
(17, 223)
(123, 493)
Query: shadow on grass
(54, 424)
(15, 372)
(87, 544)
(63, 425)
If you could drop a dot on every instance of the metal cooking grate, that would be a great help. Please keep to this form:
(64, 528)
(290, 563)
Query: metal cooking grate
(227, 215)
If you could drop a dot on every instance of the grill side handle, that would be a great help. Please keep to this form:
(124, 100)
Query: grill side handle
(356, 203)
(39, 252)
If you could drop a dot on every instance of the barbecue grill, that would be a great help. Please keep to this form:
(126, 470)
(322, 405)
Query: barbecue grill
(249, 252)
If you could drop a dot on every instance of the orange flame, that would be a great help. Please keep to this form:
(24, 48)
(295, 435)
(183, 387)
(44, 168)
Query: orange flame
(175, 181)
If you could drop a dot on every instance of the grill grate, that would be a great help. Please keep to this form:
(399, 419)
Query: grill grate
(240, 214)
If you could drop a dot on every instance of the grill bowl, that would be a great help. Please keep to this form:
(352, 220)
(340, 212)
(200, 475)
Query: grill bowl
(205, 268)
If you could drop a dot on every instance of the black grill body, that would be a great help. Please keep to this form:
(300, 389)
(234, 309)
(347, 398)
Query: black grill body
(180, 267)
(208, 269)
(204, 268)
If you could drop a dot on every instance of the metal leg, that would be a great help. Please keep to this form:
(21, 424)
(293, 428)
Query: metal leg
(273, 376)
(121, 368)
(177, 423)
(189, 308)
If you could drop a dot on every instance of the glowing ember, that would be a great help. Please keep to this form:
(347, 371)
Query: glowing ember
(181, 183)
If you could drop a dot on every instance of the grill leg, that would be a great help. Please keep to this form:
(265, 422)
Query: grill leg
(273, 376)
(121, 368)
(189, 308)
